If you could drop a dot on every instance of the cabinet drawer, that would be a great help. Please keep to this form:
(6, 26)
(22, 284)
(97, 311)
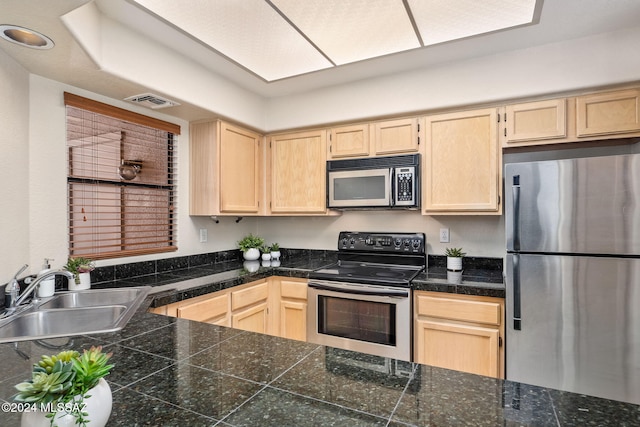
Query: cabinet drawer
(459, 309)
(291, 289)
(249, 296)
(205, 309)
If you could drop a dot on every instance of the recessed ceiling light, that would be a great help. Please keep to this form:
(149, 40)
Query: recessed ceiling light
(25, 37)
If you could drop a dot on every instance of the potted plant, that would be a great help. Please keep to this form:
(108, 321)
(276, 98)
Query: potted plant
(275, 251)
(249, 245)
(68, 389)
(454, 258)
(81, 268)
(266, 253)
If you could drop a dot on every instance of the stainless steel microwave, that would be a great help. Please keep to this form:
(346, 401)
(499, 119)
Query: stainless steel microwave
(379, 182)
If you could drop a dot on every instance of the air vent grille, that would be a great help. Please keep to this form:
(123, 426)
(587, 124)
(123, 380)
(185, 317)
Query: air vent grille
(152, 101)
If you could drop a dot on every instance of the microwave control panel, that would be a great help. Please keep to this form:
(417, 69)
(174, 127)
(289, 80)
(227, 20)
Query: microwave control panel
(405, 186)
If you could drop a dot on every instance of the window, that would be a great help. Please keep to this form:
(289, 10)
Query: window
(121, 181)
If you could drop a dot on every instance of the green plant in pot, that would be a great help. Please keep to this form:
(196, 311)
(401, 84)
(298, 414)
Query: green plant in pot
(250, 246)
(68, 388)
(454, 258)
(79, 265)
(275, 251)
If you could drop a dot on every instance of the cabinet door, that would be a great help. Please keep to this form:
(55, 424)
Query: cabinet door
(293, 309)
(212, 310)
(535, 121)
(240, 170)
(461, 163)
(293, 320)
(298, 173)
(395, 136)
(252, 319)
(349, 141)
(608, 113)
(462, 347)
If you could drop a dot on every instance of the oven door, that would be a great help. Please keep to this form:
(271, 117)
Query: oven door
(366, 318)
(359, 188)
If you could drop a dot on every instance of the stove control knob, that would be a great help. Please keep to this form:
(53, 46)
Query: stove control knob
(368, 241)
(352, 241)
(344, 241)
(406, 243)
(397, 242)
(416, 244)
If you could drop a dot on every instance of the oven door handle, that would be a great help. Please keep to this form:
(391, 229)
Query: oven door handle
(399, 293)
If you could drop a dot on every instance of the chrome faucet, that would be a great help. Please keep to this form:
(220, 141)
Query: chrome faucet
(34, 285)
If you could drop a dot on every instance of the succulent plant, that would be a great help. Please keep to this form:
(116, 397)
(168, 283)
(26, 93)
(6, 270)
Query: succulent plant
(63, 378)
(47, 387)
(275, 247)
(454, 252)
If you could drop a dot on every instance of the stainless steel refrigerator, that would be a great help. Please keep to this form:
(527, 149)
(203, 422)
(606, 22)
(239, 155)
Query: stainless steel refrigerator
(573, 275)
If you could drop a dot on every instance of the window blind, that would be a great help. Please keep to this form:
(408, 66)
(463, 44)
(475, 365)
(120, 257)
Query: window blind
(122, 184)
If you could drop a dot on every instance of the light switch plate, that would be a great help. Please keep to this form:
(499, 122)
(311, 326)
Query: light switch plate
(444, 235)
(203, 235)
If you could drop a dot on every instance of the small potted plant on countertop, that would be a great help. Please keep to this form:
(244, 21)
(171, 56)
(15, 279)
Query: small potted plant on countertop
(68, 389)
(454, 258)
(275, 251)
(266, 253)
(250, 246)
(81, 268)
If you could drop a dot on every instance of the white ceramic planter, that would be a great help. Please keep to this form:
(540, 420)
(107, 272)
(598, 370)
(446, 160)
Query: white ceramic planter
(275, 254)
(98, 406)
(454, 263)
(85, 282)
(251, 254)
(266, 257)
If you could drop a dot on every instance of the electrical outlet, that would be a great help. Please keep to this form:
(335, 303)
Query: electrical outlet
(444, 235)
(203, 235)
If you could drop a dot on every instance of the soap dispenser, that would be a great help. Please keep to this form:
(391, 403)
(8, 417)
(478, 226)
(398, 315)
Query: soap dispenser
(48, 286)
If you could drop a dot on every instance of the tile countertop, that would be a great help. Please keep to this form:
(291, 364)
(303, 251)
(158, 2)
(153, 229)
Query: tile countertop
(180, 284)
(176, 372)
(171, 371)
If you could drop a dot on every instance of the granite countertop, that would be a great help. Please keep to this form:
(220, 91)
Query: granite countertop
(176, 372)
(171, 371)
(481, 278)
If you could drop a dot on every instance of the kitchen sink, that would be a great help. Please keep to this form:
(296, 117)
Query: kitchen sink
(74, 313)
(92, 298)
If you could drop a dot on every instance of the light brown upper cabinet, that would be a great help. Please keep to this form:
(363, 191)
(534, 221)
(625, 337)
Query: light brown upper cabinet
(535, 121)
(225, 170)
(461, 171)
(395, 136)
(349, 141)
(608, 113)
(297, 170)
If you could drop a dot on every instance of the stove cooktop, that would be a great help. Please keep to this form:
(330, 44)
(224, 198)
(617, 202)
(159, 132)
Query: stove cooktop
(370, 273)
(392, 259)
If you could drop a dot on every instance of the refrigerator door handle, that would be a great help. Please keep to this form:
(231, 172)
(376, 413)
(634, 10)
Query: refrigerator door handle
(517, 307)
(515, 190)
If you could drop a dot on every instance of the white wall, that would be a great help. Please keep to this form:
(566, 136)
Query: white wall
(14, 171)
(479, 236)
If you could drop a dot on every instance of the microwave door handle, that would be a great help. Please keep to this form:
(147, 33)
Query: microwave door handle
(392, 187)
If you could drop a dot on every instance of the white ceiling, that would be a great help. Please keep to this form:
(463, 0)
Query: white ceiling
(69, 63)
(276, 39)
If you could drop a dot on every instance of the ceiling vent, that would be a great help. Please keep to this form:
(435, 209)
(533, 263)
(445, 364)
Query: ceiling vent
(151, 101)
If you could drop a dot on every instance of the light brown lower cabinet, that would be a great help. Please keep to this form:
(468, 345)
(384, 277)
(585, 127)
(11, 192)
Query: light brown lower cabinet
(275, 306)
(459, 332)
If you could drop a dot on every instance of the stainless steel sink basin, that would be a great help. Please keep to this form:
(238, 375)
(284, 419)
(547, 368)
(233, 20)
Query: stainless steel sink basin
(62, 322)
(74, 313)
(93, 298)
